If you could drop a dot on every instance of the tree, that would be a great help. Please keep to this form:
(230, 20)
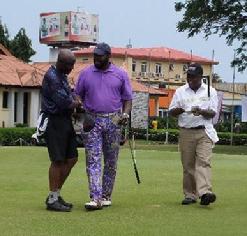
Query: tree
(216, 78)
(4, 36)
(226, 18)
(21, 46)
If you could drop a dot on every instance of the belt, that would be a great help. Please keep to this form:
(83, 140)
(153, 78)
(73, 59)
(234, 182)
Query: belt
(196, 127)
(110, 114)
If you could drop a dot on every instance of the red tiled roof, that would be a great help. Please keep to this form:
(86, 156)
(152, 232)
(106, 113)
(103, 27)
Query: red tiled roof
(156, 53)
(14, 72)
(137, 87)
(4, 51)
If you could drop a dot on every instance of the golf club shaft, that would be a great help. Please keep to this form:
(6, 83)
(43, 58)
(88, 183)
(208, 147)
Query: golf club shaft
(132, 150)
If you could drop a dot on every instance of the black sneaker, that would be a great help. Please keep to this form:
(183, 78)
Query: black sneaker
(188, 201)
(57, 206)
(207, 198)
(67, 204)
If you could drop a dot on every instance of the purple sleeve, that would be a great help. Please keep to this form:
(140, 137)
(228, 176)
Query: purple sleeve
(79, 88)
(126, 88)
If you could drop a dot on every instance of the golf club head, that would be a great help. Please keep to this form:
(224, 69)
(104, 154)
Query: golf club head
(88, 123)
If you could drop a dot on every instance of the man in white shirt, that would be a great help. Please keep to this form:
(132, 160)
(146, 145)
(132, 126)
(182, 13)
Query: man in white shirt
(195, 104)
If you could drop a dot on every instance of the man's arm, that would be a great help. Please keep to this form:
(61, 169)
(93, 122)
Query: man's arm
(127, 106)
(175, 112)
(175, 108)
(207, 113)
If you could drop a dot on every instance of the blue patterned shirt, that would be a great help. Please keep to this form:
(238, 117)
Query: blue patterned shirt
(56, 93)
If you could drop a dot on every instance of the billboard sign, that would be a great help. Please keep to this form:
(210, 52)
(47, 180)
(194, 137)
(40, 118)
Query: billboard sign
(80, 27)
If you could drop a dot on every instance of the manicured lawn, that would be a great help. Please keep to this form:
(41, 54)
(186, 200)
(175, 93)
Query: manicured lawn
(151, 208)
(221, 149)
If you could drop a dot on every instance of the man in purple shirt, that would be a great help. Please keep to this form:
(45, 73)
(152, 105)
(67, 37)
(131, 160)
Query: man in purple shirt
(106, 94)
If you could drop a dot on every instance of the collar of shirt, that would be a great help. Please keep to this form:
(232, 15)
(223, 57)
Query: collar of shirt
(203, 86)
(64, 76)
(109, 69)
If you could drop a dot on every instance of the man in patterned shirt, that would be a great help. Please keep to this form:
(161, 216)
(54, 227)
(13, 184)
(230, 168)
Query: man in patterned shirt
(57, 104)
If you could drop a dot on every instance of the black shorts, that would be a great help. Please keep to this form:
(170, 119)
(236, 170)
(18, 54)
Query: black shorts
(61, 138)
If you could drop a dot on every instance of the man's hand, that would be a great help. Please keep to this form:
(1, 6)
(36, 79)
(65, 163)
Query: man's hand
(206, 113)
(123, 119)
(176, 111)
(196, 111)
(78, 101)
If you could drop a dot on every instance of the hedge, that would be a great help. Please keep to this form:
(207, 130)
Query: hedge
(16, 136)
(160, 135)
(22, 136)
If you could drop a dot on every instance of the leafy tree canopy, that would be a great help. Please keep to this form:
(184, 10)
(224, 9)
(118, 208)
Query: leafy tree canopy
(4, 36)
(20, 46)
(226, 18)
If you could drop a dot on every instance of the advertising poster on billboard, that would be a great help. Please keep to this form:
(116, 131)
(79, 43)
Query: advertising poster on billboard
(68, 27)
(50, 25)
(80, 23)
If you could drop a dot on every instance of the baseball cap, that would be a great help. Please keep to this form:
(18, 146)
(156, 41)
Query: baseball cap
(102, 49)
(195, 69)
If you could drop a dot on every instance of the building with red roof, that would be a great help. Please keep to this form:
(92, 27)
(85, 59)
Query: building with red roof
(154, 67)
(20, 85)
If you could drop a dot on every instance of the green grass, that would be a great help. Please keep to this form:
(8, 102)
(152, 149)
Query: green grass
(222, 149)
(151, 208)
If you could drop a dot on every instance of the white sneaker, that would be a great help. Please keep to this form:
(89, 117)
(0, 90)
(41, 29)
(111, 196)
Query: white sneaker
(105, 202)
(93, 205)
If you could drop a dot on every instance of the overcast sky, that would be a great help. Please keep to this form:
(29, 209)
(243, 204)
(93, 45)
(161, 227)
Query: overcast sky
(148, 23)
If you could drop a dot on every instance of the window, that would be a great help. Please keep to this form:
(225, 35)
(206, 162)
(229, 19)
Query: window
(163, 113)
(133, 66)
(185, 68)
(5, 99)
(158, 68)
(144, 67)
(15, 106)
(171, 67)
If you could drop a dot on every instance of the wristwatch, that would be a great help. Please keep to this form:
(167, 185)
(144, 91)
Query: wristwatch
(125, 115)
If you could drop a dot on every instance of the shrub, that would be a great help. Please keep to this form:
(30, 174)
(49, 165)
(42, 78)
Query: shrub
(160, 135)
(16, 136)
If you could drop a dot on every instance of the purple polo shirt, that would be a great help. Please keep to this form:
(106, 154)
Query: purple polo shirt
(103, 91)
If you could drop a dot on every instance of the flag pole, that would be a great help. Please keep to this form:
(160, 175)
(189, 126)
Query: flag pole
(233, 98)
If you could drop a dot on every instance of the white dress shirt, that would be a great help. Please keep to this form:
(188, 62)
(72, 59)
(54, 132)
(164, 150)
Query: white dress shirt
(186, 98)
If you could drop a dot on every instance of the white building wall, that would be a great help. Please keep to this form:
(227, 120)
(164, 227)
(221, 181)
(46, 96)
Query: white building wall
(11, 108)
(34, 107)
(139, 114)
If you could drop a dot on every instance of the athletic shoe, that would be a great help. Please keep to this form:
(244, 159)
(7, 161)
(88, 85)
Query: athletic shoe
(57, 206)
(188, 201)
(207, 198)
(106, 202)
(67, 204)
(61, 200)
(93, 205)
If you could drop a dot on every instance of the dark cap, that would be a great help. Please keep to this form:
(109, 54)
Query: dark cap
(102, 49)
(195, 69)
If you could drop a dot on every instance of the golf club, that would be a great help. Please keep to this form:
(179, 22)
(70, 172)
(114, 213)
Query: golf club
(133, 155)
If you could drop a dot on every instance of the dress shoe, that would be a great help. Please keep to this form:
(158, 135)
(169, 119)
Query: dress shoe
(188, 201)
(57, 206)
(207, 198)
